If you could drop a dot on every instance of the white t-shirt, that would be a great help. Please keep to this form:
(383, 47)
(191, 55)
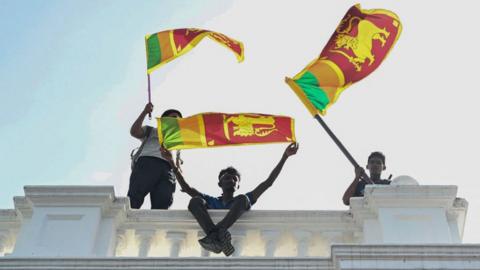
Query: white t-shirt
(152, 146)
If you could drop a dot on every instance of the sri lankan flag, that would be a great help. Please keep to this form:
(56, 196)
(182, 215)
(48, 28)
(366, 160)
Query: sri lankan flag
(358, 46)
(220, 129)
(165, 46)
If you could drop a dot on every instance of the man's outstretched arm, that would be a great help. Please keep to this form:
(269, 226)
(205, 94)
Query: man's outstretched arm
(185, 187)
(350, 192)
(260, 189)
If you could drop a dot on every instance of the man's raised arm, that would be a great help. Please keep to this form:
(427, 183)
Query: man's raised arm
(185, 187)
(291, 150)
(136, 129)
(350, 192)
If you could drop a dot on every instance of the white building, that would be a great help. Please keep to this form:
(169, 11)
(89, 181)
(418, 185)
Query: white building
(402, 226)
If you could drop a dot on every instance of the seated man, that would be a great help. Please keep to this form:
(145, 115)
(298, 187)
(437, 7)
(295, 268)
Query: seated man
(376, 164)
(218, 238)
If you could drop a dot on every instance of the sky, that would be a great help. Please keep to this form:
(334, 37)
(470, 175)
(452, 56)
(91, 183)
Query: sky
(73, 80)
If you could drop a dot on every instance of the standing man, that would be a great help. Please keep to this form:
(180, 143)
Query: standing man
(151, 172)
(375, 165)
(218, 238)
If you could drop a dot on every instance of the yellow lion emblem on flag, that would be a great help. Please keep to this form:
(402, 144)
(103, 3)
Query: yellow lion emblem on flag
(361, 44)
(243, 126)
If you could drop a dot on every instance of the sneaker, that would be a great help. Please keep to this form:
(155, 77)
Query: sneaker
(211, 243)
(225, 238)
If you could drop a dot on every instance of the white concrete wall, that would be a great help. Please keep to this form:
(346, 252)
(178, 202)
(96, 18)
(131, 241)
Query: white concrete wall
(59, 231)
(410, 214)
(88, 221)
(414, 226)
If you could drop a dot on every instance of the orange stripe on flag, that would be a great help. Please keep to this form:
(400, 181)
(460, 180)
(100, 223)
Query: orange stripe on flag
(190, 131)
(165, 46)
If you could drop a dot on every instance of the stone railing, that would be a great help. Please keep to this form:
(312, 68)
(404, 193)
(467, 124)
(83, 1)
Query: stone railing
(258, 233)
(89, 221)
(10, 223)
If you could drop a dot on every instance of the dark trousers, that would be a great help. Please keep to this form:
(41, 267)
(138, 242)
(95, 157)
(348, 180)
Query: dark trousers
(155, 176)
(198, 208)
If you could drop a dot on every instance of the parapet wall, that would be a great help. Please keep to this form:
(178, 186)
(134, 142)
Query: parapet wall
(89, 221)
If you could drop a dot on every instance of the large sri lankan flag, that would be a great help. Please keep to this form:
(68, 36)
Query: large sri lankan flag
(220, 129)
(163, 47)
(360, 43)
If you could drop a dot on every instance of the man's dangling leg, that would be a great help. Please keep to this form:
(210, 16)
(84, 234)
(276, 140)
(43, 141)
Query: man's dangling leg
(240, 205)
(142, 181)
(161, 196)
(198, 208)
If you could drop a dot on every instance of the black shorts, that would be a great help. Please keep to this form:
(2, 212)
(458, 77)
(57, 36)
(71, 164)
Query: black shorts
(155, 176)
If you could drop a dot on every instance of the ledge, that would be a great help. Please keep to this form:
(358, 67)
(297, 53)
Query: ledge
(406, 196)
(334, 220)
(343, 257)
(69, 195)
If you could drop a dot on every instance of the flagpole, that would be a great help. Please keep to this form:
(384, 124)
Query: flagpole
(149, 96)
(340, 145)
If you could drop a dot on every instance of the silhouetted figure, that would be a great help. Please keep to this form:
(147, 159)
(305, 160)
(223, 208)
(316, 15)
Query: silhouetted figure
(218, 238)
(375, 165)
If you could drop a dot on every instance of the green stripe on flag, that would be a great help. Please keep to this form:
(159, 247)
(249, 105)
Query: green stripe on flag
(171, 132)
(154, 51)
(315, 94)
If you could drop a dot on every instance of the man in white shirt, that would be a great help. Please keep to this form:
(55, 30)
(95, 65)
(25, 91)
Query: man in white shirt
(151, 172)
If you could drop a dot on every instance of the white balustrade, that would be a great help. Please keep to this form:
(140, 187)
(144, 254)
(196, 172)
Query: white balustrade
(120, 241)
(100, 225)
(204, 252)
(238, 239)
(176, 238)
(303, 241)
(10, 223)
(3, 241)
(271, 239)
(145, 239)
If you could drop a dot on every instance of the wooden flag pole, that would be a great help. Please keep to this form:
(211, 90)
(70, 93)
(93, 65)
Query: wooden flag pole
(149, 96)
(340, 145)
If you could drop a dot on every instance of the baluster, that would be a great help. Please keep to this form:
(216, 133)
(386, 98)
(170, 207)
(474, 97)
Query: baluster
(176, 239)
(3, 243)
(120, 241)
(271, 238)
(145, 238)
(238, 240)
(303, 242)
(6, 241)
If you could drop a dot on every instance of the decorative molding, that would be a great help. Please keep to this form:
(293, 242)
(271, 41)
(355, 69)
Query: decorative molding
(381, 257)
(409, 196)
(351, 257)
(210, 263)
(69, 195)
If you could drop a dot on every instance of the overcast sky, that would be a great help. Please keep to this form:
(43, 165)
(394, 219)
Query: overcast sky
(72, 81)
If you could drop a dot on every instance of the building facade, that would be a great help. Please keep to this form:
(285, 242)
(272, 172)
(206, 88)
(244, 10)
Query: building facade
(401, 226)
